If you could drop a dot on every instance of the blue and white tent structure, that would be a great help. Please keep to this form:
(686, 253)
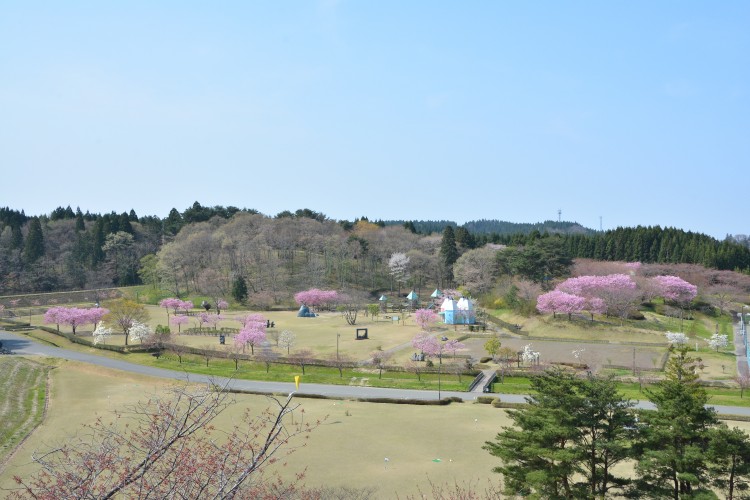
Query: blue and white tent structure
(458, 312)
(305, 312)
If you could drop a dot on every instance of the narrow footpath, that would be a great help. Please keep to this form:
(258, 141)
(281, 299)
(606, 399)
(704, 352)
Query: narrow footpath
(24, 346)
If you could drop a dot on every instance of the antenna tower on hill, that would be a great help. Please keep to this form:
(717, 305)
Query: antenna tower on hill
(559, 215)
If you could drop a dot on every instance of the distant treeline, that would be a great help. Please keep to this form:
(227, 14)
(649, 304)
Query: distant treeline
(648, 245)
(69, 249)
(485, 226)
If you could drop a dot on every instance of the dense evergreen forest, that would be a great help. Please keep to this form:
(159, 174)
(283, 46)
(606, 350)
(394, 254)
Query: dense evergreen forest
(498, 227)
(210, 249)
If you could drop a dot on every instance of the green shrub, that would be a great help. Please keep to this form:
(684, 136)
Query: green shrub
(487, 400)
(497, 403)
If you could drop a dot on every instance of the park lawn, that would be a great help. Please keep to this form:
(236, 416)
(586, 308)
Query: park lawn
(583, 329)
(319, 334)
(721, 365)
(349, 449)
(281, 372)
(22, 400)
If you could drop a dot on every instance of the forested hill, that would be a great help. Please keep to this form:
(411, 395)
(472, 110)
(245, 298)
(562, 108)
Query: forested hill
(70, 249)
(493, 226)
(646, 244)
(484, 226)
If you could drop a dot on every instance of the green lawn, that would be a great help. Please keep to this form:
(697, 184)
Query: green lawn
(22, 398)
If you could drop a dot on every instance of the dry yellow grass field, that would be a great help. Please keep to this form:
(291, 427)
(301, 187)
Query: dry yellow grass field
(348, 449)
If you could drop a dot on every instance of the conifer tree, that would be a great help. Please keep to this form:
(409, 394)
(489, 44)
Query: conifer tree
(448, 251)
(16, 238)
(674, 438)
(565, 443)
(80, 225)
(34, 247)
(239, 289)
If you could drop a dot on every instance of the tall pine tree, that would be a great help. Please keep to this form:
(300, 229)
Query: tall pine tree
(566, 441)
(674, 439)
(448, 252)
(34, 247)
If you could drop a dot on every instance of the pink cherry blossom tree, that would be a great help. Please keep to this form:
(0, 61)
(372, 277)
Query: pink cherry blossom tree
(613, 294)
(316, 298)
(453, 346)
(221, 304)
(53, 316)
(170, 303)
(557, 301)
(211, 319)
(250, 335)
(74, 316)
(675, 289)
(96, 314)
(426, 344)
(425, 319)
(179, 321)
(250, 319)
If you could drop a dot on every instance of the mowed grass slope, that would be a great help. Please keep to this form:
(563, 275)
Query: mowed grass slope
(23, 386)
(423, 443)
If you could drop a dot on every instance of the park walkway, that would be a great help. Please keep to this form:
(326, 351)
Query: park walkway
(23, 345)
(740, 350)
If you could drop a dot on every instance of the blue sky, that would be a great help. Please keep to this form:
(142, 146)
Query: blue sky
(635, 112)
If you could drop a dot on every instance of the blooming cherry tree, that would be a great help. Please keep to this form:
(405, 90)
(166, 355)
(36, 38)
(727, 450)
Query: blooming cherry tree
(425, 318)
(53, 316)
(718, 341)
(398, 266)
(676, 338)
(613, 294)
(675, 289)
(287, 339)
(101, 333)
(317, 298)
(74, 316)
(251, 319)
(251, 335)
(170, 303)
(179, 321)
(427, 344)
(221, 304)
(139, 331)
(453, 346)
(557, 301)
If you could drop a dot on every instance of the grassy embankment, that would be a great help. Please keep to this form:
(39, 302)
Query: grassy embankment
(22, 400)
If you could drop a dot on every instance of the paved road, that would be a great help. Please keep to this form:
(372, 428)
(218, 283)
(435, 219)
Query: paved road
(740, 351)
(22, 345)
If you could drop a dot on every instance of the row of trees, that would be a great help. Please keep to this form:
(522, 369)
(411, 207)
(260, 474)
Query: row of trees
(261, 257)
(570, 439)
(613, 294)
(130, 318)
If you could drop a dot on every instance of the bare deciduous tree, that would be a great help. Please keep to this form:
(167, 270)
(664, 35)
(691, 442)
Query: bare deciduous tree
(167, 447)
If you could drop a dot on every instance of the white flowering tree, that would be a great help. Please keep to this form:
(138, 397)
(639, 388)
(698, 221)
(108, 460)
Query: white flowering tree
(675, 338)
(398, 266)
(287, 339)
(139, 331)
(718, 341)
(101, 333)
(528, 355)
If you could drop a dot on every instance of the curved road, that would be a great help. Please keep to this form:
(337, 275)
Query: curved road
(22, 345)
